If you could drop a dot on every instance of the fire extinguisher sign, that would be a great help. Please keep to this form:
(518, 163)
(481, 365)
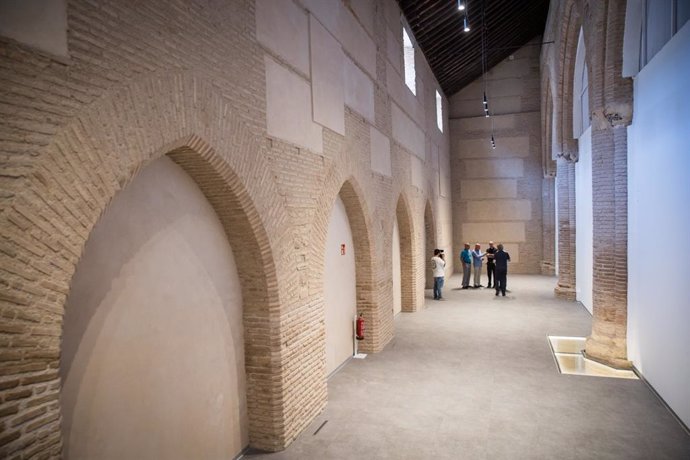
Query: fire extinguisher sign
(342, 249)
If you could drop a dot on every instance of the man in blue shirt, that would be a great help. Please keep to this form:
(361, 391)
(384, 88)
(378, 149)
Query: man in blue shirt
(466, 260)
(477, 256)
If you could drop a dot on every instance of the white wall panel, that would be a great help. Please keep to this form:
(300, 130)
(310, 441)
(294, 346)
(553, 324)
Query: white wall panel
(365, 11)
(345, 27)
(512, 167)
(380, 152)
(282, 27)
(499, 210)
(418, 173)
(359, 90)
(357, 42)
(407, 133)
(327, 78)
(474, 189)
(289, 108)
(394, 50)
(502, 232)
(326, 11)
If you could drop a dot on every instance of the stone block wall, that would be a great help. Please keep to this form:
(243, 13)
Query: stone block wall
(243, 95)
(497, 193)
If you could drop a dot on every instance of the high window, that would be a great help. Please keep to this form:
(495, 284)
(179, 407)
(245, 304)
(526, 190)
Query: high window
(649, 25)
(408, 56)
(439, 112)
(580, 90)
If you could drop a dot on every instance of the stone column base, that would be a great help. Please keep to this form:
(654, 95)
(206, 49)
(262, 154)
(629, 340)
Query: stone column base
(606, 353)
(565, 292)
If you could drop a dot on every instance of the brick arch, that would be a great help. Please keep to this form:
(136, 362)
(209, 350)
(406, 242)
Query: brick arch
(570, 20)
(408, 255)
(349, 190)
(67, 188)
(430, 243)
(358, 215)
(569, 34)
(611, 111)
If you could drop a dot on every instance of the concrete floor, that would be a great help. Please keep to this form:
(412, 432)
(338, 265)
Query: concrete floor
(474, 378)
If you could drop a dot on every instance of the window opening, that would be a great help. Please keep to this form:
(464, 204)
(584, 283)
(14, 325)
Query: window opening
(439, 111)
(410, 75)
(580, 90)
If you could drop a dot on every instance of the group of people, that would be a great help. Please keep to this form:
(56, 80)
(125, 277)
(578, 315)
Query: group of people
(496, 268)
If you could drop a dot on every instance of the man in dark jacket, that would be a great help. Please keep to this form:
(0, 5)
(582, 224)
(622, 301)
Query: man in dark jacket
(490, 265)
(501, 258)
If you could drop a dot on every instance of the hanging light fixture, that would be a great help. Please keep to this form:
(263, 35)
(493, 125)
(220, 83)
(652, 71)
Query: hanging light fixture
(466, 24)
(461, 5)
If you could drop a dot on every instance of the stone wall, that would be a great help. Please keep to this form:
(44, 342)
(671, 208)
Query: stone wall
(246, 98)
(497, 193)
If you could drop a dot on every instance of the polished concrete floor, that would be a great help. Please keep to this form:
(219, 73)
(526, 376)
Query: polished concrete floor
(474, 378)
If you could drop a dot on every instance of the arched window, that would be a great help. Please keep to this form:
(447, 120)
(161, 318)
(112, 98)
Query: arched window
(581, 119)
(649, 25)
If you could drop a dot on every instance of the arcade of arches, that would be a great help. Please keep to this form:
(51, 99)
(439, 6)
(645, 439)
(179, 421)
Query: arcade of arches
(197, 199)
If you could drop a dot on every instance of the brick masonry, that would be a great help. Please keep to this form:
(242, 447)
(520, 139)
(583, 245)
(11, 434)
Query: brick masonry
(188, 80)
(611, 111)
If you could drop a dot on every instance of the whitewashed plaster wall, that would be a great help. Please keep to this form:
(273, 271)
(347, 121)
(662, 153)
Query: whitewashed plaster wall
(584, 222)
(658, 223)
(153, 337)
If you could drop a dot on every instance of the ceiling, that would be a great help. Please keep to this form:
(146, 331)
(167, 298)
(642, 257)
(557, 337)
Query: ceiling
(455, 56)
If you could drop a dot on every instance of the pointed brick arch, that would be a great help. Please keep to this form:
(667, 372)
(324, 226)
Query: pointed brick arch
(566, 77)
(51, 210)
(342, 179)
(358, 216)
(610, 99)
(407, 255)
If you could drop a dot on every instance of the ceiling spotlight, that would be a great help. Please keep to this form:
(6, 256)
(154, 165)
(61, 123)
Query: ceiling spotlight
(461, 5)
(467, 25)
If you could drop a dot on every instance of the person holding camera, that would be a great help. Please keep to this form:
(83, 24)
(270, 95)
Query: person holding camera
(438, 265)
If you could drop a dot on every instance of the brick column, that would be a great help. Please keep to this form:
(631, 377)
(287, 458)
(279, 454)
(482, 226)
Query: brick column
(611, 114)
(548, 199)
(610, 207)
(565, 181)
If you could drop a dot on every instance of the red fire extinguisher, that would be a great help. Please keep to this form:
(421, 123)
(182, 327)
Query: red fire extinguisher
(360, 328)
